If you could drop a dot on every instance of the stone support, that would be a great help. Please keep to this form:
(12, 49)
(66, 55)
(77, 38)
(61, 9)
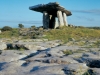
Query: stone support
(65, 19)
(60, 18)
(56, 23)
(46, 20)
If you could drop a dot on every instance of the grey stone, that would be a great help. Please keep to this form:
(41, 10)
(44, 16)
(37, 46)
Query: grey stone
(60, 18)
(33, 47)
(46, 9)
(75, 69)
(71, 69)
(64, 19)
(3, 46)
(58, 51)
(10, 55)
(46, 20)
(36, 45)
(96, 71)
(57, 60)
(50, 60)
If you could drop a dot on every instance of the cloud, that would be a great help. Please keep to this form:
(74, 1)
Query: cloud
(86, 18)
(25, 22)
(92, 11)
(31, 22)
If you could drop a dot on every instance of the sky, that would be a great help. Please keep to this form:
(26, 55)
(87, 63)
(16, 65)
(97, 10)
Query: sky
(13, 12)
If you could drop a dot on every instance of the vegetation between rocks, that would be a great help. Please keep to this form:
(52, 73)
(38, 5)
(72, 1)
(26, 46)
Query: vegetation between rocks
(64, 34)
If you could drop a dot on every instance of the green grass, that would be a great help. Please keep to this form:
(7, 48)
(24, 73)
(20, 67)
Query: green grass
(67, 52)
(9, 34)
(95, 44)
(66, 33)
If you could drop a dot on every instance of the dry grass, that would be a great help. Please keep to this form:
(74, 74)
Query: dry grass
(68, 32)
(9, 34)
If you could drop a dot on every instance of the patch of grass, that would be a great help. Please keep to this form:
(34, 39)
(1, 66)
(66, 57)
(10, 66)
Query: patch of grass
(70, 52)
(89, 72)
(80, 51)
(65, 34)
(94, 45)
(86, 73)
(97, 44)
(9, 34)
(81, 43)
(71, 32)
(21, 49)
(67, 52)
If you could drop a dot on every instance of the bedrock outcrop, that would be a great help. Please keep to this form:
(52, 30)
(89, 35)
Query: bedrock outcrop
(49, 58)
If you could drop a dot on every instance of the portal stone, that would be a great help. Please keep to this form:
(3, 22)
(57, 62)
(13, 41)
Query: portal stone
(45, 20)
(64, 19)
(60, 18)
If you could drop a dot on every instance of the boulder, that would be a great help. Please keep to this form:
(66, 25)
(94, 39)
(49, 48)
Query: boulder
(3, 46)
(33, 47)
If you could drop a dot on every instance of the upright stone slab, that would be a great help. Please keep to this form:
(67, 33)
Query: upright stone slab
(60, 18)
(56, 24)
(46, 20)
(65, 19)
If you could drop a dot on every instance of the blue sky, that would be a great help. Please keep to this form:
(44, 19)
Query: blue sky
(13, 12)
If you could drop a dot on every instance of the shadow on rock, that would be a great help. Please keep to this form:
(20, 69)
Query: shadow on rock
(34, 68)
(25, 64)
(1, 64)
(94, 64)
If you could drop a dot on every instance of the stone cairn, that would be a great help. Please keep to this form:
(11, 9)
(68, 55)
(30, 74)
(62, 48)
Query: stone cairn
(51, 11)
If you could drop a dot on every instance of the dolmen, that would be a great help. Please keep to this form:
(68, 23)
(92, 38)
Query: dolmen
(54, 15)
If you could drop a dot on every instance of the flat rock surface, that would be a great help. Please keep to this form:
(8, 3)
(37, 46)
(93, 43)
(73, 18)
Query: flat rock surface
(52, 59)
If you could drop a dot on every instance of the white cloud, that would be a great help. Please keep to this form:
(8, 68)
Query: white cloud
(92, 11)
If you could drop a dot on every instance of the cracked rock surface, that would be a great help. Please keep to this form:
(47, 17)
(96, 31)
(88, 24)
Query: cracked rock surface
(49, 58)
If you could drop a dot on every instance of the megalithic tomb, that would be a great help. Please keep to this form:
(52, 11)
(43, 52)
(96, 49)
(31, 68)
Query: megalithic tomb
(51, 11)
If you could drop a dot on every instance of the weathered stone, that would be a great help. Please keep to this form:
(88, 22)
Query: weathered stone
(3, 46)
(57, 60)
(23, 31)
(56, 24)
(60, 18)
(50, 61)
(10, 56)
(33, 47)
(96, 71)
(75, 69)
(46, 20)
(52, 10)
(64, 19)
